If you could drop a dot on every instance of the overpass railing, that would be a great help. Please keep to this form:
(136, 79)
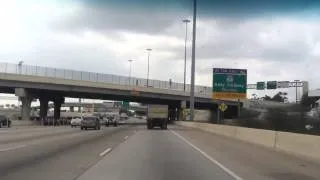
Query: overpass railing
(202, 91)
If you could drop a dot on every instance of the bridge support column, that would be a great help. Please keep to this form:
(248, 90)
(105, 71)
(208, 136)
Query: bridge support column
(43, 107)
(178, 111)
(173, 114)
(26, 107)
(71, 109)
(57, 107)
(214, 115)
(26, 99)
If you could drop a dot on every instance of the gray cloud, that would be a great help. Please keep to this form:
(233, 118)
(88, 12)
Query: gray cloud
(108, 19)
(220, 41)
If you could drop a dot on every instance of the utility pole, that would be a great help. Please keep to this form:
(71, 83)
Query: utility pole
(186, 21)
(130, 62)
(296, 83)
(148, 50)
(193, 61)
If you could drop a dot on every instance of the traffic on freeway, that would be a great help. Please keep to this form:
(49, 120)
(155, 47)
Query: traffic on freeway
(159, 90)
(132, 151)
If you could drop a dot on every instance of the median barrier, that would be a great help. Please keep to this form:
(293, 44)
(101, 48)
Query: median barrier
(256, 136)
(22, 123)
(229, 131)
(307, 146)
(299, 144)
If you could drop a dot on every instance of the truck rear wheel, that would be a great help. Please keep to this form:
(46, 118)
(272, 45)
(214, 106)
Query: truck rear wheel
(164, 126)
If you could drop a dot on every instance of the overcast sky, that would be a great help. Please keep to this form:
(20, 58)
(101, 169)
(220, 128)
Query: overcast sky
(274, 40)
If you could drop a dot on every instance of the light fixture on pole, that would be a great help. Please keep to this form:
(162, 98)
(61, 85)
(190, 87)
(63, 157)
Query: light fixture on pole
(130, 69)
(186, 21)
(148, 50)
(193, 59)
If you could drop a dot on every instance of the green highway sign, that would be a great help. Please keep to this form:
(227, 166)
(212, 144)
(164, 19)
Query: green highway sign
(229, 83)
(261, 85)
(272, 85)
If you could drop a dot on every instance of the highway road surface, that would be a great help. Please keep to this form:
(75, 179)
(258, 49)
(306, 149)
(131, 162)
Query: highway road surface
(135, 153)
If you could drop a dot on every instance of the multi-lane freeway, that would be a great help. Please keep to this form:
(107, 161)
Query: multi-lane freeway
(135, 153)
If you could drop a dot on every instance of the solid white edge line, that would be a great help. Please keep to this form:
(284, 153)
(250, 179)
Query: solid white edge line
(228, 171)
(12, 148)
(126, 137)
(105, 152)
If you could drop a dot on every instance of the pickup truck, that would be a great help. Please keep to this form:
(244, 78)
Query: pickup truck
(157, 116)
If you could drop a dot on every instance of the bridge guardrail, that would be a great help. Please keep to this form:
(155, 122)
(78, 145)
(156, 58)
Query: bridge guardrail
(202, 91)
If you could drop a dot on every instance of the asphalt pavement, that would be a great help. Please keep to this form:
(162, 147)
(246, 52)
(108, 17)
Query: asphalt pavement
(157, 155)
(64, 155)
(133, 152)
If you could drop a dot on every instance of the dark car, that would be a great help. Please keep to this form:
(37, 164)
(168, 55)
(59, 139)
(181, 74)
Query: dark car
(4, 121)
(90, 122)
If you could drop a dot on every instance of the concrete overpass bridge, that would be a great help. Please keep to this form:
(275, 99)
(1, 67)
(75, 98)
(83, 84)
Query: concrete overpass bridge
(97, 106)
(52, 84)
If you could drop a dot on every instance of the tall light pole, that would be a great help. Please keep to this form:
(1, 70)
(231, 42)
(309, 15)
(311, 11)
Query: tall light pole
(185, 53)
(296, 83)
(193, 58)
(148, 50)
(130, 69)
(20, 71)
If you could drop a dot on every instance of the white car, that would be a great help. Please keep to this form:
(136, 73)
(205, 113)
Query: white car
(76, 121)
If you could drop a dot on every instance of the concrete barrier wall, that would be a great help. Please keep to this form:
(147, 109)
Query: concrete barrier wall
(202, 115)
(300, 144)
(22, 123)
(256, 136)
(297, 144)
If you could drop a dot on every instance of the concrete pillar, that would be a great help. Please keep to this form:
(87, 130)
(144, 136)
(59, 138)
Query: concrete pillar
(26, 99)
(43, 107)
(71, 109)
(26, 107)
(171, 113)
(214, 116)
(178, 111)
(57, 107)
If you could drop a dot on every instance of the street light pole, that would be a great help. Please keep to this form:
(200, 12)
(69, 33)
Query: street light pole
(185, 53)
(193, 61)
(130, 68)
(148, 50)
(296, 83)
